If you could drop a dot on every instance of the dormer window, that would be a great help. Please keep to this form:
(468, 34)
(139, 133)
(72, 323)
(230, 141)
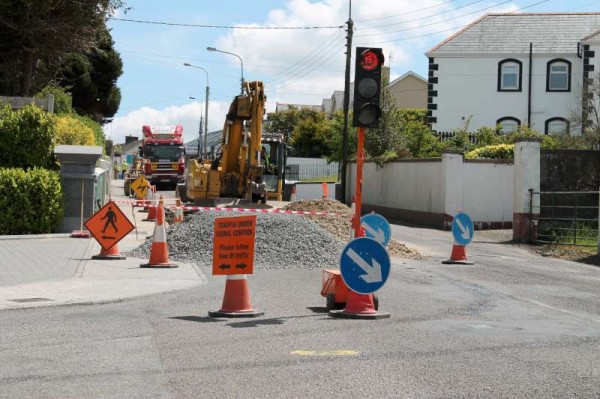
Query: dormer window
(509, 75)
(558, 75)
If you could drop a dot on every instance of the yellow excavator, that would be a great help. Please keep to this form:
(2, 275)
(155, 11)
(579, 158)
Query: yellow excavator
(248, 168)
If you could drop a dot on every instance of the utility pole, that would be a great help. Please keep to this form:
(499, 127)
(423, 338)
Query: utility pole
(344, 163)
(200, 138)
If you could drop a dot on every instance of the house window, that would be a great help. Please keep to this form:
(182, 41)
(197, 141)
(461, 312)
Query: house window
(558, 75)
(509, 75)
(557, 126)
(508, 124)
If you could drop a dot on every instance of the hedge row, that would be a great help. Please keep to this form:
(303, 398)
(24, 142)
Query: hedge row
(31, 201)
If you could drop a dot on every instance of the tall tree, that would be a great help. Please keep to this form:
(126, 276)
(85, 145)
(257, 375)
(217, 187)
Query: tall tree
(92, 79)
(44, 30)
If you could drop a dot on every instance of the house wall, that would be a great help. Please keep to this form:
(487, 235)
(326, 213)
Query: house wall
(410, 92)
(430, 192)
(467, 87)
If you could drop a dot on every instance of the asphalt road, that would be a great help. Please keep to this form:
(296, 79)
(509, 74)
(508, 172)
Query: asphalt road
(512, 325)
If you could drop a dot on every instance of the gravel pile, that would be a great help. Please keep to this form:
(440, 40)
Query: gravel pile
(339, 224)
(282, 241)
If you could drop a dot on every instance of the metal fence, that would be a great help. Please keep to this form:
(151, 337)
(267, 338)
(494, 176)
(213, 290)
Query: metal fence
(566, 217)
(444, 136)
(314, 172)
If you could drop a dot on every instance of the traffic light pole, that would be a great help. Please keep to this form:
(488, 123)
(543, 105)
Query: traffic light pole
(360, 159)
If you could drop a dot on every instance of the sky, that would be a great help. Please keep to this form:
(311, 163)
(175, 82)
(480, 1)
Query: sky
(298, 66)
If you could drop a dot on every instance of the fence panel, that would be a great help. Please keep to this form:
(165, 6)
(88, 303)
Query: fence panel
(317, 171)
(567, 217)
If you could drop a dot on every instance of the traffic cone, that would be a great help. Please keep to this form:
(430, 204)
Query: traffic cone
(152, 211)
(149, 198)
(293, 195)
(236, 300)
(458, 256)
(159, 252)
(112, 253)
(325, 188)
(178, 218)
(359, 306)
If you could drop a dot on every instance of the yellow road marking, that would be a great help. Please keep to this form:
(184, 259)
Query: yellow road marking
(324, 353)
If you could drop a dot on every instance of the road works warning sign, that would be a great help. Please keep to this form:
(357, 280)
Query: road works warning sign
(109, 225)
(140, 187)
(233, 245)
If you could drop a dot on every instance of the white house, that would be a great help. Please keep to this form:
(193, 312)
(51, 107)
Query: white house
(514, 69)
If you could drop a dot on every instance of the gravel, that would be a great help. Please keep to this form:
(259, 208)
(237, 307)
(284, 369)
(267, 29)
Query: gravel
(282, 241)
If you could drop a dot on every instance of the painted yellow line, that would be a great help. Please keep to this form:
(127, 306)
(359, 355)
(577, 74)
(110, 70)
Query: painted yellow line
(324, 353)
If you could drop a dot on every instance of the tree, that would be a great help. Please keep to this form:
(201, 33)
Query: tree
(35, 31)
(308, 139)
(386, 137)
(63, 103)
(585, 115)
(333, 138)
(91, 79)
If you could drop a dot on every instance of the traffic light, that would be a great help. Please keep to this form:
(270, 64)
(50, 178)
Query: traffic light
(367, 87)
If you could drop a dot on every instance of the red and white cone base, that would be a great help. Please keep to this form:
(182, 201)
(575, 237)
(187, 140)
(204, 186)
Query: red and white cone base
(359, 306)
(236, 300)
(458, 256)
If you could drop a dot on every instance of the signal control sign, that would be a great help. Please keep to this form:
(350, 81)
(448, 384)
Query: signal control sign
(108, 225)
(233, 245)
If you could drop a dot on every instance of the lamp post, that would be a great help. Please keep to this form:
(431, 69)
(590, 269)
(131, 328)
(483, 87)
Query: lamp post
(241, 62)
(205, 110)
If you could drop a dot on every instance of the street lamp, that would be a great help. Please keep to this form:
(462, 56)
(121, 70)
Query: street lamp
(241, 62)
(205, 155)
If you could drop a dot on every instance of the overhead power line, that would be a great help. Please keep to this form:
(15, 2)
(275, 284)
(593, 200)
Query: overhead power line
(138, 21)
(406, 13)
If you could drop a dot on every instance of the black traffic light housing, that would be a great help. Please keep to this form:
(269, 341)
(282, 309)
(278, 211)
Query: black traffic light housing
(367, 87)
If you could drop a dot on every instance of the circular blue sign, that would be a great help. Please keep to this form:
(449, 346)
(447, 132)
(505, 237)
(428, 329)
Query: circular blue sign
(364, 265)
(462, 229)
(377, 228)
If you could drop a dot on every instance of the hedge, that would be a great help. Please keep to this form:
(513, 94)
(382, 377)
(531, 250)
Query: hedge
(31, 201)
(499, 151)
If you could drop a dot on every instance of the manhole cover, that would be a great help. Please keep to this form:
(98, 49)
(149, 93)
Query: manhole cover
(30, 300)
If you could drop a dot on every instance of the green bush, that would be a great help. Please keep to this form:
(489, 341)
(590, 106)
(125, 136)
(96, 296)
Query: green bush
(31, 201)
(499, 151)
(26, 138)
(71, 131)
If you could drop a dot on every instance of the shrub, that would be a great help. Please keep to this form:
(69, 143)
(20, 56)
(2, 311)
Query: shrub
(72, 131)
(26, 138)
(31, 201)
(499, 151)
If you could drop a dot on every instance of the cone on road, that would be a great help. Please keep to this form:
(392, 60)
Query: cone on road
(325, 189)
(236, 300)
(153, 210)
(178, 217)
(159, 252)
(458, 256)
(293, 195)
(359, 306)
(112, 253)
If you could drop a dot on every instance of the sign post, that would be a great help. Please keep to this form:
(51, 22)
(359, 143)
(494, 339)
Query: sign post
(462, 232)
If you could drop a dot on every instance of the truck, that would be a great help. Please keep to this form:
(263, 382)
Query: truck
(163, 155)
(248, 167)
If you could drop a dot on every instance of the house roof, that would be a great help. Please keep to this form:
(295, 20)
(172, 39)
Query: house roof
(512, 33)
(407, 74)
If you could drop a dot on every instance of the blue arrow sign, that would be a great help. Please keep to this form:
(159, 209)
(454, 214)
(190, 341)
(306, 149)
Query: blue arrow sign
(365, 265)
(462, 229)
(377, 228)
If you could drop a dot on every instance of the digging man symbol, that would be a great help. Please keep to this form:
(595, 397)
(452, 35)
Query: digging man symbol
(111, 218)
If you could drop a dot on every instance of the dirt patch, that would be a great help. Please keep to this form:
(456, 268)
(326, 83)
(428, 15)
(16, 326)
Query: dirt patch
(586, 255)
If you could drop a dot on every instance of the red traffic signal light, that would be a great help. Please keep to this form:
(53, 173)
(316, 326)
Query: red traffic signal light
(367, 87)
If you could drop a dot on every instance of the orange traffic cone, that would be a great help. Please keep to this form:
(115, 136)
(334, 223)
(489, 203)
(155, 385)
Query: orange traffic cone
(236, 300)
(159, 252)
(178, 218)
(458, 256)
(359, 306)
(149, 197)
(325, 188)
(112, 253)
(293, 195)
(152, 210)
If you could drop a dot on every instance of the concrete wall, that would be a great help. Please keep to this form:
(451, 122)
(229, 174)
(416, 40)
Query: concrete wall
(468, 86)
(431, 192)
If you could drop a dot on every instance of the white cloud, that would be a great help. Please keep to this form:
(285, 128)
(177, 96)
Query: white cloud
(187, 115)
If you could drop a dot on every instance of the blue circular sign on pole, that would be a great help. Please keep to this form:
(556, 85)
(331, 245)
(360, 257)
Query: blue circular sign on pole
(462, 228)
(365, 265)
(377, 228)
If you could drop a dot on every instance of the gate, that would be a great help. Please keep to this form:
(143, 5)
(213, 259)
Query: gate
(566, 217)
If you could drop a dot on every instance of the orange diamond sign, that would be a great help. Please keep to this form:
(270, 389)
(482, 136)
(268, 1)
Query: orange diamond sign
(109, 225)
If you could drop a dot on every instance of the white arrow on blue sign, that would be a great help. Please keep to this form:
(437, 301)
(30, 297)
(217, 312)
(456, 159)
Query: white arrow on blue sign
(377, 228)
(462, 228)
(365, 265)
